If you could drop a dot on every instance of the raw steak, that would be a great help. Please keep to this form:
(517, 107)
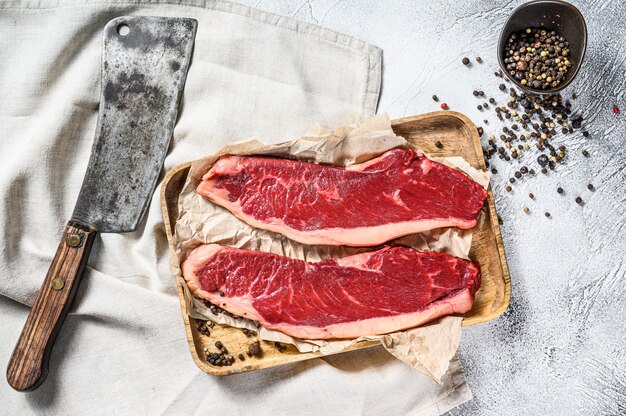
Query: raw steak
(396, 194)
(365, 294)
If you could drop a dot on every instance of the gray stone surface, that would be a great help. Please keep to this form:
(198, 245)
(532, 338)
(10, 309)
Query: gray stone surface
(561, 346)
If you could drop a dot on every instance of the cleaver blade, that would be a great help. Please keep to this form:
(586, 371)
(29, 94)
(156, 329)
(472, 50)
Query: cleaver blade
(144, 67)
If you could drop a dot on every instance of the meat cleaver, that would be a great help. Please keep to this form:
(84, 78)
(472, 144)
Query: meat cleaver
(144, 67)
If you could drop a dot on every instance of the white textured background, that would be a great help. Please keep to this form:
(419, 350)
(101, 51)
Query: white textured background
(561, 346)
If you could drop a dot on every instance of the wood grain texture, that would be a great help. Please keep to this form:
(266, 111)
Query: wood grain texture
(28, 365)
(459, 138)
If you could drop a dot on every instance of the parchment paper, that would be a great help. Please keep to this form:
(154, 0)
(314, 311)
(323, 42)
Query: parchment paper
(428, 348)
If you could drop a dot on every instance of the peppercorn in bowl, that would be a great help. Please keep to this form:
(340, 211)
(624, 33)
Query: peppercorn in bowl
(542, 45)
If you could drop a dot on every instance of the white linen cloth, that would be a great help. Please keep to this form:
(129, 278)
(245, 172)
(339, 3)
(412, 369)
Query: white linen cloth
(123, 348)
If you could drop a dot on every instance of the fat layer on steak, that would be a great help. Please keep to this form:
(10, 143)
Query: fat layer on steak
(365, 294)
(367, 204)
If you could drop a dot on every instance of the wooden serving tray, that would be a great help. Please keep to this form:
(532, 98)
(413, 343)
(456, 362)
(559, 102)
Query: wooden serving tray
(459, 138)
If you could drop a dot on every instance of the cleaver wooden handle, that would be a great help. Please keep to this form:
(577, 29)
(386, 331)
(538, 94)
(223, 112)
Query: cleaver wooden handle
(28, 365)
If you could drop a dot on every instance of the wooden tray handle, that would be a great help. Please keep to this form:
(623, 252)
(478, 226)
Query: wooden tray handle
(28, 365)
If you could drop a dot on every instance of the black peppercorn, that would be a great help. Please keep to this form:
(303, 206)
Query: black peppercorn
(254, 349)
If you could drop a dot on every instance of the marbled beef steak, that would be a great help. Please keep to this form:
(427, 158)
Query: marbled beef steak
(365, 294)
(367, 204)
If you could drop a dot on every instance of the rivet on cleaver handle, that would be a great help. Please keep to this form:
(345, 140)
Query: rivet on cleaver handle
(144, 67)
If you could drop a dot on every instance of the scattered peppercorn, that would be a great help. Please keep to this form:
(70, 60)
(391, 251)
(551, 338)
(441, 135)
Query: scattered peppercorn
(439, 144)
(548, 214)
(559, 190)
(241, 357)
(590, 187)
(219, 345)
(480, 131)
(526, 210)
(254, 349)
(202, 327)
(531, 195)
(579, 200)
(479, 60)
(279, 346)
(435, 98)
(444, 106)
(465, 61)
(585, 153)
(534, 121)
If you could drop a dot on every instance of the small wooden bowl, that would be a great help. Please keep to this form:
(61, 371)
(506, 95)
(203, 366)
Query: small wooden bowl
(557, 15)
